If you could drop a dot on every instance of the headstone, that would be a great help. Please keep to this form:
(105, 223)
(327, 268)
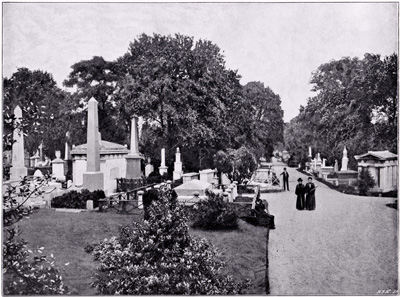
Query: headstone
(18, 169)
(336, 166)
(58, 167)
(309, 152)
(149, 168)
(323, 162)
(163, 169)
(140, 199)
(133, 158)
(177, 165)
(93, 179)
(38, 173)
(345, 160)
(89, 205)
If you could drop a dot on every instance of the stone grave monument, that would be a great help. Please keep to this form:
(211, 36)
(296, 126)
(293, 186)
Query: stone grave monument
(177, 165)
(163, 169)
(18, 169)
(134, 158)
(93, 178)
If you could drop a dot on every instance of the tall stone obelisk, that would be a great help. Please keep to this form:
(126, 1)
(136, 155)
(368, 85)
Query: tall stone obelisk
(133, 169)
(18, 169)
(345, 160)
(93, 178)
(177, 165)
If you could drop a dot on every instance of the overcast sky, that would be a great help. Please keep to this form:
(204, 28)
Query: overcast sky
(279, 44)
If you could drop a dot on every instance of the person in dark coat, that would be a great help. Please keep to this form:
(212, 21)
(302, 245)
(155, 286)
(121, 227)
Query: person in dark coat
(285, 179)
(262, 214)
(300, 191)
(310, 194)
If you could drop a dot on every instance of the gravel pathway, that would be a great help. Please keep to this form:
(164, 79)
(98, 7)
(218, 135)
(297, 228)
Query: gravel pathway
(347, 246)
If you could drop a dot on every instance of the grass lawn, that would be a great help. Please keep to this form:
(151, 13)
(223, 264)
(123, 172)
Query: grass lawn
(67, 234)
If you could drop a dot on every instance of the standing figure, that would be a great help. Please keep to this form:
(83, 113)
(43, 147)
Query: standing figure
(310, 197)
(285, 179)
(300, 190)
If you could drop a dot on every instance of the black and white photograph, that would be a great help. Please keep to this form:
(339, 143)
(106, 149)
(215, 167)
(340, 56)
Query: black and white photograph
(200, 148)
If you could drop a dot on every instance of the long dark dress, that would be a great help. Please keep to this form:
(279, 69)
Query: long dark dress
(310, 197)
(300, 196)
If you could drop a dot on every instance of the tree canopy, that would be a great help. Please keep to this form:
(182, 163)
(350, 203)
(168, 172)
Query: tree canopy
(43, 107)
(355, 106)
(180, 88)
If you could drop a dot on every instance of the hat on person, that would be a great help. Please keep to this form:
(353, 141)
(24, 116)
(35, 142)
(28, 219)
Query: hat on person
(300, 179)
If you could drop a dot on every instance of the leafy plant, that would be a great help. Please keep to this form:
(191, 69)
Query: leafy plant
(365, 182)
(160, 257)
(25, 272)
(77, 200)
(214, 213)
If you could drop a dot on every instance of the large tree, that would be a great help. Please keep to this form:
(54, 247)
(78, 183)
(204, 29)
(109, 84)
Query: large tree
(355, 106)
(183, 90)
(265, 117)
(97, 78)
(43, 107)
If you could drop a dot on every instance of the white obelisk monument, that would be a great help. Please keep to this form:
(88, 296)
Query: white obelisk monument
(18, 169)
(93, 178)
(133, 169)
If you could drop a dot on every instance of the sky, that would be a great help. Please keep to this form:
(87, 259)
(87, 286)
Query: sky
(278, 44)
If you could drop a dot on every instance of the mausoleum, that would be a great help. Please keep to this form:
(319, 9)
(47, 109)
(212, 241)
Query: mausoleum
(383, 167)
(112, 163)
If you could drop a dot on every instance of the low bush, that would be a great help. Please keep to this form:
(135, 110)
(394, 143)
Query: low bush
(365, 182)
(77, 200)
(154, 178)
(159, 257)
(214, 213)
(332, 175)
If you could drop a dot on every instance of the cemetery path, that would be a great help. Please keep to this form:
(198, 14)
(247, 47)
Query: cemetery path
(347, 246)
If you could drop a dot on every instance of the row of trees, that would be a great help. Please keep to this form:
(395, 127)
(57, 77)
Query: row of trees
(355, 106)
(181, 88)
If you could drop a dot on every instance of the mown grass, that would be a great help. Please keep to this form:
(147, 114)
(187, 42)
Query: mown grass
(67, 234)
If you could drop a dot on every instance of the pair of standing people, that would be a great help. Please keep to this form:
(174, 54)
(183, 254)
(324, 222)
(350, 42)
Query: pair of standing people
(305, 195)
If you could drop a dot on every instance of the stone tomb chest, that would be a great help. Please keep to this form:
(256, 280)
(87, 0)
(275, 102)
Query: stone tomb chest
(187, 190)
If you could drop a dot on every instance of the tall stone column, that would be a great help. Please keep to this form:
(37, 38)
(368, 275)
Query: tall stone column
(93, 179)
(68, 159)
(345, 160)
(163, 169)
(177, 165)
(134, 157)
(18, 169)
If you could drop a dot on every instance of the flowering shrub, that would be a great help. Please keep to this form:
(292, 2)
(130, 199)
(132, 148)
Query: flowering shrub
(214, 213)
(160, 257)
